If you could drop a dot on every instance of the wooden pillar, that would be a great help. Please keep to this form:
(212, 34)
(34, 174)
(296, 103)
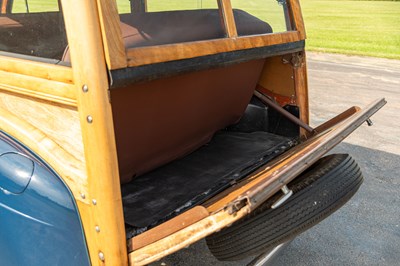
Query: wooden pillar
(101, 208)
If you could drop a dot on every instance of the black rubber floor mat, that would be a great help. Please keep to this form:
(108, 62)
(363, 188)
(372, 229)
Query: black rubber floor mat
(169, 190)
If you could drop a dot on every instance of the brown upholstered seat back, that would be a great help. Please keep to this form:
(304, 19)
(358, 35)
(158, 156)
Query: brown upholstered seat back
(161, 120)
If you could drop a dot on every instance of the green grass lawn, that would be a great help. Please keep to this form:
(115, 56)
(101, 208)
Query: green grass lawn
(369, 28)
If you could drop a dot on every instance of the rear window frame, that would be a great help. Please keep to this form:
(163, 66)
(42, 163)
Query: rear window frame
(118, 56)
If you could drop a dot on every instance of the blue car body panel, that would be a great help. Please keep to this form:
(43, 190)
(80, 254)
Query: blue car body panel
(39, 221)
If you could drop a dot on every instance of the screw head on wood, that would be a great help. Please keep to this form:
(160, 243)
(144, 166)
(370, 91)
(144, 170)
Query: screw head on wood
(85, 88)
(101, 256)
(89, 119)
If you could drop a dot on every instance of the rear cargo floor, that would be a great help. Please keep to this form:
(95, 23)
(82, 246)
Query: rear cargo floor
(169, 190)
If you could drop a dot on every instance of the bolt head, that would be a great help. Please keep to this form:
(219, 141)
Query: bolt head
(85, 88)
(97, 229)
(101, 256)
(83, 196)
(89, 119)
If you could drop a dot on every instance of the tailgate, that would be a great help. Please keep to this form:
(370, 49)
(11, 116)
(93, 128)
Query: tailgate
(236, 202)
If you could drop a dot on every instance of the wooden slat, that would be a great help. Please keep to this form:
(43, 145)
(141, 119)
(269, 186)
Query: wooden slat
(184, 237)
(163, 53)
(298, 18)
(301, 88)
(3, 7)
(114, 47)
(337, 119)
(89, 68)
(51, 131)
(36, 69)
(228, 18)
(168, 228)
(38, 88)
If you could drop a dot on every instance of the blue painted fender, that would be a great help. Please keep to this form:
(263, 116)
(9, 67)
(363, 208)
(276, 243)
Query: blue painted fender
(39, 221)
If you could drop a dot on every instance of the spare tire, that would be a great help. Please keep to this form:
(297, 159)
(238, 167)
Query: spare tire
(318, 192)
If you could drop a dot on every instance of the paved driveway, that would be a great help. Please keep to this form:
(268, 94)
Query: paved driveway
(366, 231)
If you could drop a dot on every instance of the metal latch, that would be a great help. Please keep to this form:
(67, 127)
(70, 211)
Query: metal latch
(287, 193)
(236, 206)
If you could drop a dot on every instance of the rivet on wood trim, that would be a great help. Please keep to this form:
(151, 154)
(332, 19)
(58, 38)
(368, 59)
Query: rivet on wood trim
(89, 119)
(101, 256)
(85, 88)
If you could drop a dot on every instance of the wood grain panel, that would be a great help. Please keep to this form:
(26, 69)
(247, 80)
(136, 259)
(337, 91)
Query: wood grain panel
(165, 229)
(36, 69)
(51, 131)
(107, 245)
(277, 77)
(52, 91)
(157, 54)
(184, 237)
(3, 7)
(114, 47)
(301, 87)
(298, 18)
(228, 18)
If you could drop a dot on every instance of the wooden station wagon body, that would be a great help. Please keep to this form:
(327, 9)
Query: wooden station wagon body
(96, 103)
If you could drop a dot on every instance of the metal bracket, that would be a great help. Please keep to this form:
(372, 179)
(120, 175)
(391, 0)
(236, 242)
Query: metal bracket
(287, 193)
(235, 206)
(296, 60)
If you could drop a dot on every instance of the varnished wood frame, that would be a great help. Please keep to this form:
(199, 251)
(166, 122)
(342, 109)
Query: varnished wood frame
(171, 52)
(101, 214)
(155, 54)
(114, 47)
(62, 85)
(3, 6)
(227, 17)
(94, 38)
(98, 195)
(39, 80)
